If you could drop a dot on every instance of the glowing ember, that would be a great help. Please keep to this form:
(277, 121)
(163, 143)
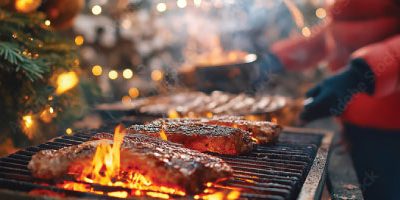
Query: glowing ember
(231, 195)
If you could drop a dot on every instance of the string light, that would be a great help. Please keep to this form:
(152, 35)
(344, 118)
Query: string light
(113, 74)
(47, 22)
(181, 3)
(28, 121)
(133, 92)
(161, 7)
(28, 126)
(197, 3)
(320, 13)
(66, 81)
(306, 31)
(127, 73)
(97, 70)
(68, 131)
(47, 115)
(157, 75)
(96, 10)
(26, 6)
(79, 40)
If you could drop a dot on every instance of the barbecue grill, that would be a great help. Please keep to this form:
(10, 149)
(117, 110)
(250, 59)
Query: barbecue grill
(293, 168)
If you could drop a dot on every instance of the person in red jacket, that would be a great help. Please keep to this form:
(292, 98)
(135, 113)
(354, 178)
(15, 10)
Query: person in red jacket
(361, 42)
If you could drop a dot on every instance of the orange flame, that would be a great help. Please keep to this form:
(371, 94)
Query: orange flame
(163, 135)
(172, 114)
(105, 169)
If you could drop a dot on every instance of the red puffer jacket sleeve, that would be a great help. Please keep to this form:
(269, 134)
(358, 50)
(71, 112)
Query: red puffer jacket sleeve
(352, 24)
(384, 60)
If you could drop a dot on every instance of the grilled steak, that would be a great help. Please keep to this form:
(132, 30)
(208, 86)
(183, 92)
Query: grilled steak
(199, 136)
(49, 164)
(262, 131)
(164, 163)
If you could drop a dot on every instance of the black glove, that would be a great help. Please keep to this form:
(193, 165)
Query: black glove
(331, 97)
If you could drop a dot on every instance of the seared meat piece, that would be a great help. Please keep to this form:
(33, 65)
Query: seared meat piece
(164, 163)
(49, 164)
(262, 131)
(199, 136)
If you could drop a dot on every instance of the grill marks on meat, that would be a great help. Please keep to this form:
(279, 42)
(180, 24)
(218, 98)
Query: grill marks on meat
(163, 162)
(199, 136)
(262, 131)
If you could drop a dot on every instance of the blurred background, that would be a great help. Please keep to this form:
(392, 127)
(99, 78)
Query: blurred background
(135, 48)
(124, 50)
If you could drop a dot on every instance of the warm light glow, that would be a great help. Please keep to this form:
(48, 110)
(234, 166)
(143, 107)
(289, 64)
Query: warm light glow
(274, 120)
(133, 92)
(233, 195)
(320, 13)
(113, 74)
(306, 32)
(47, 115)
(127, 73)
(181, 3)
(26, 5)
(66, 81)
(161, 7)
(28, 122)
(295, 12)
(126, 99)
(68, 131)
(119, 194)
(97, 70)
(157, 75)
(96, 10)
(197, 3)
(47, 22)
(28, 126)
(157, 195)
(220, 196)
(79, 40)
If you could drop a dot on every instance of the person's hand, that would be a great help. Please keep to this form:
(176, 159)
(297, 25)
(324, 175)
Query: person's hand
(331, 97)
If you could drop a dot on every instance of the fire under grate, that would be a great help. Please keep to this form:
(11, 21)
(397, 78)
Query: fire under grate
(293, 168)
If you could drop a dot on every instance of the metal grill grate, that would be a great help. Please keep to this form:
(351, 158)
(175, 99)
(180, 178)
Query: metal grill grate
(276, 172)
